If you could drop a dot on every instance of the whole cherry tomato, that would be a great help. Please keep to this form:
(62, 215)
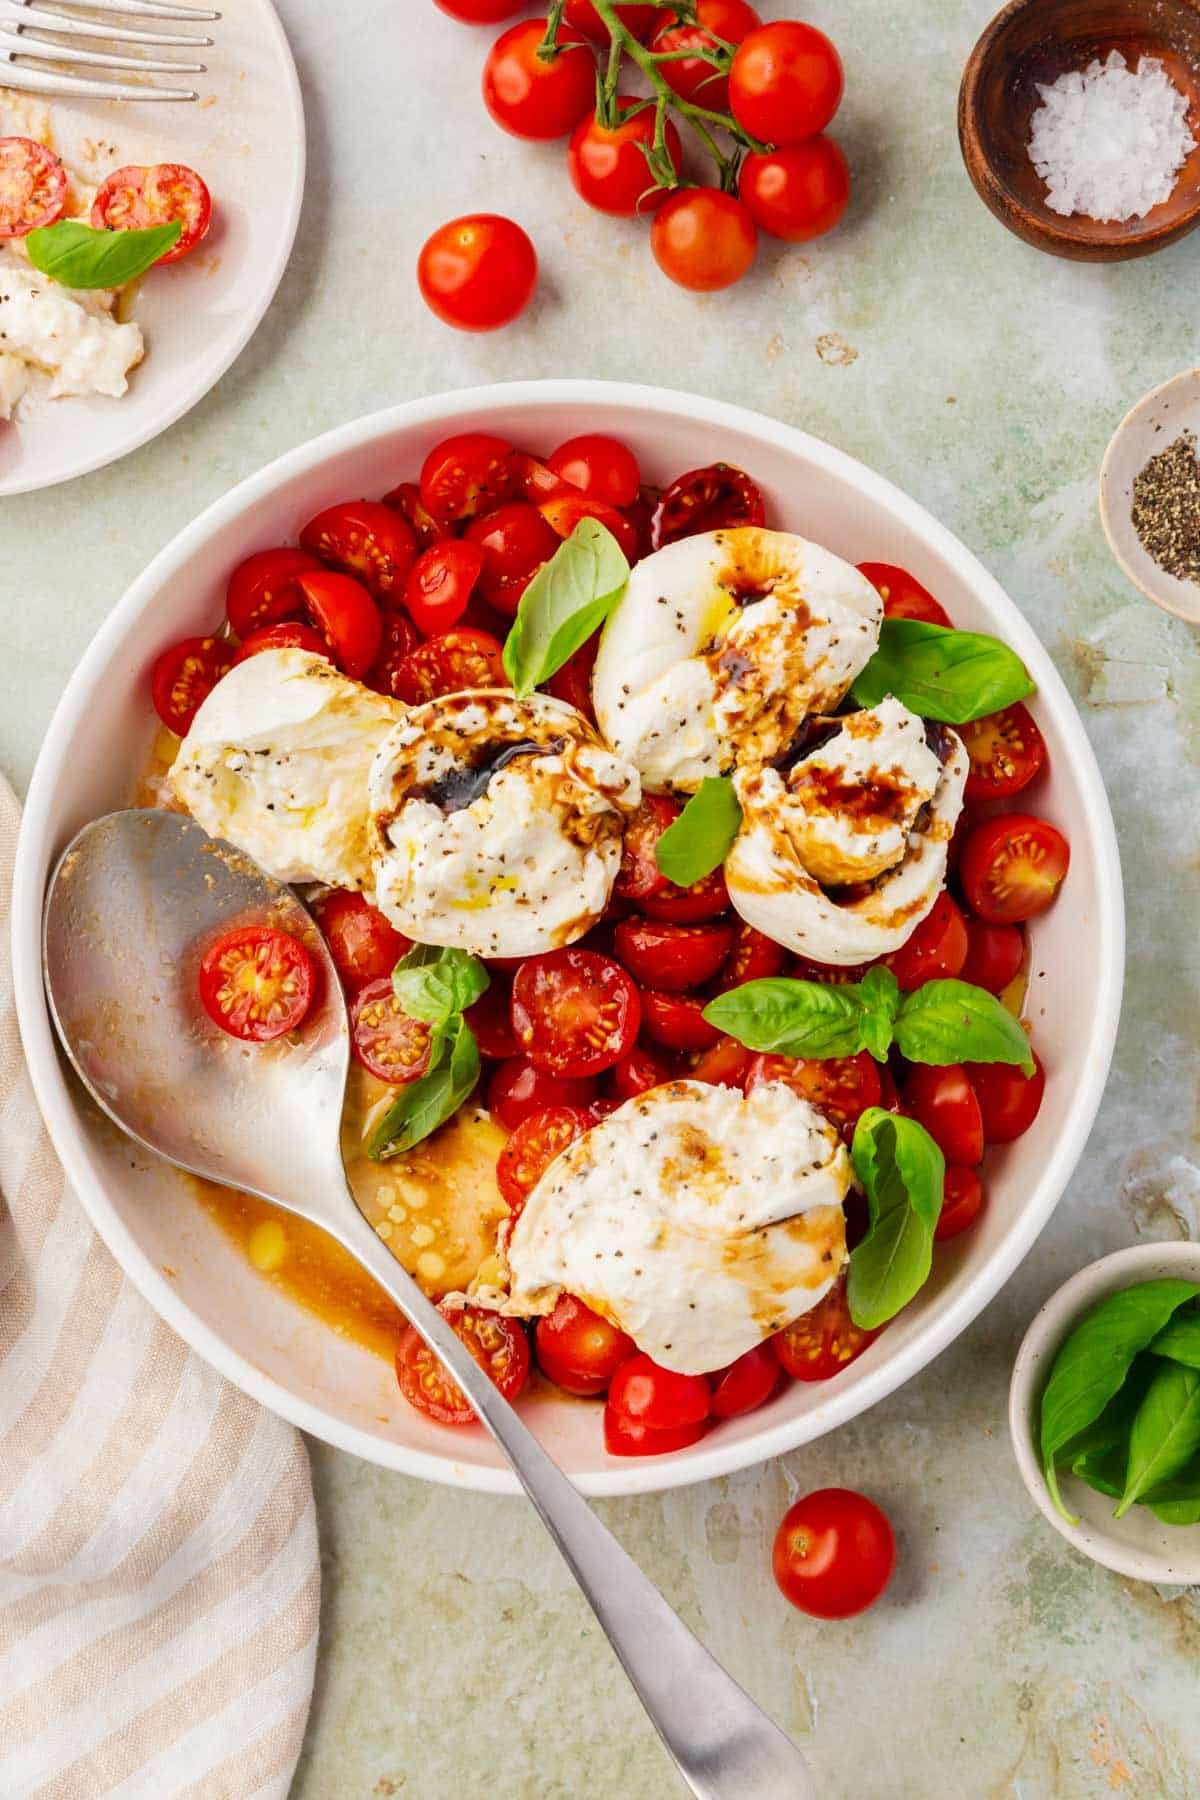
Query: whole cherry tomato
(962, 1202)
(629, 1437)
(994, 955)
(1009, 1100)
(479, 272)
(365, 946)
(799, 192)
(1012, 867)
(834, 1553)
(607, 165)
(533, 96)
(639, 1070)
(694, 77)
(785, 83)
(746, 1384)
(600, 467)
(703, 239)
(941, 1098)
(645, 1393)
(902, 594)
(578, 1349)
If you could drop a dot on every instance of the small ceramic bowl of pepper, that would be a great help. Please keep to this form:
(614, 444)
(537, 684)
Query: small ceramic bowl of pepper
(1150, 495)
(1138, 1544)
(1030, 44)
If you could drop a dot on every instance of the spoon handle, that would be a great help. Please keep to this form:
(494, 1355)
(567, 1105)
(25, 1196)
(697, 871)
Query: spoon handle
(725, 1747)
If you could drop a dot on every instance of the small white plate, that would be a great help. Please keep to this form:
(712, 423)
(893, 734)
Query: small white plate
(1154, 423)
(246, 137)
(1139, 1544)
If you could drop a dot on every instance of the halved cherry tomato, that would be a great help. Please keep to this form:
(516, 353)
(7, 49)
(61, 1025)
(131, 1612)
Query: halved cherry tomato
(902, 594)
(467, 475)
(519, 1088)
(841, 1087)
(573, 682)
(703, 239)
(645, 1393)
(184, 676)
(575, 1012)
(133, 198)
(714, 498)
(579, 1350)
(676, 1020)
(388, 1041)
(564, 513)
(746, 1384)
(33, 187)
(533, 1146)
(490, 1018)
(662, 955)
(823, 1341)
(366, 539)
(406, 500)
(365, 946)
(600, 467)
(628, 1437)
(639, 1070)
(448, 664)
(994, 955)
(754, 957)
(498, 1345)
(688, 906)
(439, 584)
(346, 616)
(513, 542)
(940, 1097)
(262, 590)
(834, 1553)
(532, 97)
(608, 167)
(400, 639)
(785, 83)
(1012, 867)
(639, 874)
(799, 192)
(1006, 750)
(537, 481)
(936, 950)
(1009, 1101)
(692, 77)
(288, 634)
(637, 17)
(962, 1202)
(832, 974)
(257, 983)
(725, 1064)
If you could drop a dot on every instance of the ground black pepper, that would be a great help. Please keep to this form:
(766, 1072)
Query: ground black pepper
(1166, 508)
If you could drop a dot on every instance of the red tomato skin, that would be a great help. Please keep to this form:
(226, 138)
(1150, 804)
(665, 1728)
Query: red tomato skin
(33, 187)
(937, 949)
(232, 1013)
(448, 663)
(995, 954)
(628, 1437)
(609, 171)
(1009, 1101)
(406, 500)
(518, 1088)
(513, 541)
(645, 1393)
(288, 634)
(1013, 838)
(842, 1087)
(409, 1047)
(533, 1146)
(636, 16)
(639, 1070)
(834, 1553)
(707, 499)
(440, 582)
(428, 1388)
(797, 193)
(725, 1064)
(747, 1383)
(480, 12)
(468, 474)
(823, 1341)
(137, 196)
(184, 675)
(676, 1021)
(573, 681)
(902, 594)
(673, 957)
(365, 946)
(342, 610)
(940, 1097)
(754, 957)
(534, 99)
(400, 639)
(962, 1202)
(691, 77)
(478, 272)
(1006, 752)
(705, 899)
(578, 1350)
(601, 467)
(703, 239)
(490, 1018)
(368, 540)
(786, 82)
(564, 513)
(262, 590)
(575, 1012)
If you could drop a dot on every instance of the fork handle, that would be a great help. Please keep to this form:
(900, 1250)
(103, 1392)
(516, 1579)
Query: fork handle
(724, 1746)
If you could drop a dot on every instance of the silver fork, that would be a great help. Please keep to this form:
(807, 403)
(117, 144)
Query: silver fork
(32, 34)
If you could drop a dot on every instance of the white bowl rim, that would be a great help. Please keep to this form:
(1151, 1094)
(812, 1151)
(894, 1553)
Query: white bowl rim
(1163, 596)
(1049, 1326)
(714, 1456)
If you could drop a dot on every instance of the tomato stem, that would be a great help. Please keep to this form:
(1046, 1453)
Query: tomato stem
(548, 49)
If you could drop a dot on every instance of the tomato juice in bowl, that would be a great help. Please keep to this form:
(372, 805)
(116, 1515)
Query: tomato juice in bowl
(328, 1383)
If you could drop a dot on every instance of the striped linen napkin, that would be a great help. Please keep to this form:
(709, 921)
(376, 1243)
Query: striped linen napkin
(159, 1581)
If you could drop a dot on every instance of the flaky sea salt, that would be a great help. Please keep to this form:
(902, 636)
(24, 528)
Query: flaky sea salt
(1109, 140)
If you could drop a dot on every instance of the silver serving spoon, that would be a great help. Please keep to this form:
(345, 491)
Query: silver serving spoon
(134, 900)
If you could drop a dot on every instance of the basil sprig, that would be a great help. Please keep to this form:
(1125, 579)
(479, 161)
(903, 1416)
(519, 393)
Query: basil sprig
(436, 986)
(568, 599)
(902, 1172)
(940, 1022)
(79, 256)
(952, 676)
(702, 836)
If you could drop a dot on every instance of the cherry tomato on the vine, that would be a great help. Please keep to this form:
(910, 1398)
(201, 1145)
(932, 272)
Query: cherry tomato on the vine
(479, 272)
(607, 165)
(694, 77)
(799, 192)
(785, 83)
(578, 1349)
(834, 1553)
(703, 239)
(1012, 867)
(533, 96)
(480, 12)
(636, 15)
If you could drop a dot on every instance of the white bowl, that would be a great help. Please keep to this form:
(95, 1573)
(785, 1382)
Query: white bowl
(96, 746)
(1138, 1544)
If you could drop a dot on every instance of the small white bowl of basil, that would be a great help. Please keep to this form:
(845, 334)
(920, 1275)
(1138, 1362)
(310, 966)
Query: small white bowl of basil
(1104, 1410)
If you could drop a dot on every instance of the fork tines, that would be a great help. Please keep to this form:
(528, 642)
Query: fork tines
(42, 43)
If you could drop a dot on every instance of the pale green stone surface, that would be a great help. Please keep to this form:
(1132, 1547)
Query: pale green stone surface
(985, 379)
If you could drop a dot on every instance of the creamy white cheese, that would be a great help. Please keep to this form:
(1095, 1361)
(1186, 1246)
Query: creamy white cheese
(496, 823)
(873, 805)
(277, 761)
(14, 379)
(722, 645)
(71, 337)
(698, 1219)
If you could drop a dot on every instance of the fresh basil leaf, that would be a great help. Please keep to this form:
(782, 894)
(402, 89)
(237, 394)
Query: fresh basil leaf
(1180, 1340)
(879, 992)
(423, 1105)
(79, 256)
(902, 1172)
(702, 836)
(791, 1018)
(954, 1021)
(1094, 1362)
(436, 987)
(1176, 1512)
(1177, 1502)
(952, 676)
(568, 599)
(1166, 1432)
